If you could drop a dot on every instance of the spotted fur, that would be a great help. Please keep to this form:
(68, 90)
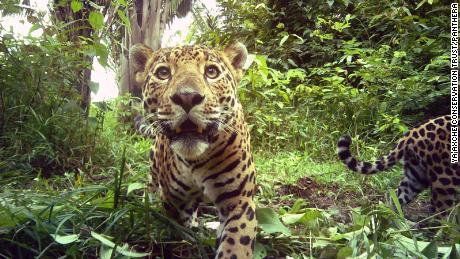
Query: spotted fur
(425, 151)
(202, 150)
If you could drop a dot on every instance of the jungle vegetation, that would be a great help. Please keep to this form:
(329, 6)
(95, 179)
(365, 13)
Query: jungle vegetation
(73, 172)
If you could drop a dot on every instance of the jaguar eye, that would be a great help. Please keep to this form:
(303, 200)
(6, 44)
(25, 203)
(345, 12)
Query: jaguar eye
(163, 73)
(212, 72)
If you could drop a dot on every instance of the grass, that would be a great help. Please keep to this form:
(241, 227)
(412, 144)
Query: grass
(111, 218)
(332, 178)
(306, 209)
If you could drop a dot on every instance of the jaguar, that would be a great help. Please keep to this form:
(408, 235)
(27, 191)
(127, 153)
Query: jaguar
(425, 151)
(201, 150)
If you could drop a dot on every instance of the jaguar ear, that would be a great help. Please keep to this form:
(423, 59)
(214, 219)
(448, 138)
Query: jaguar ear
(139, 55)
(237, 55)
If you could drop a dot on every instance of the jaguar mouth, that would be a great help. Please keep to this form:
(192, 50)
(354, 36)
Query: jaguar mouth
(188, 130)
(188, 127)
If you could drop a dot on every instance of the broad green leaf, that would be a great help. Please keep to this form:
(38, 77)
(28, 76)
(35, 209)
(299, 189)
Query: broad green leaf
(292, 218)
(344, 252)
(76, 5)
(448, 251)
(262, 68)
(269, 222)
(284, 95)
(350, 235)
(134, 186)
(122, 2)
(104, 240)
(298, 204)
(120, 249)
(96, 19)
(249, 24)
(124, 250)
(309, 216)
(35, 27)
(249, 61)
(104, 201)
(411, 245)
(64, 240)
(94, 86)
(105, 252)
(260, 251)
(124, 19)
(283, 40)
(102, 53)
(431, 251)
(71, 106)
(454, 254)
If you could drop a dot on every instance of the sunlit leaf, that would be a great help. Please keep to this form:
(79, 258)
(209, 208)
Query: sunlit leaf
(96, 19)
(76, 5)
(352, 234)
(64, 240)
(134, 186)
(298, 204)
(269, 222)
(122, 2)
(93, 86)
(102, 53)
(431, 251)
(283, 40)
(454, 253)
(344, 252)
(123, 249)
(105, 240)
(260, 251)
(123, 18)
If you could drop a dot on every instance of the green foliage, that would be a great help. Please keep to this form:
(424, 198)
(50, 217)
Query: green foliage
(76, 5)
(42, 127)
(96, 19)
(370, 229)
(40, 123)
(321, 68)
(369, 68)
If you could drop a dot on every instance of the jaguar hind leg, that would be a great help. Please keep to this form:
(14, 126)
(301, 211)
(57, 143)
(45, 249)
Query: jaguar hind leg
(442, 197)
(415, 181)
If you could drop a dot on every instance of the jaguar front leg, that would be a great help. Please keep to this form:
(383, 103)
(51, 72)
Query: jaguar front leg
(184, 212)
(237, 231)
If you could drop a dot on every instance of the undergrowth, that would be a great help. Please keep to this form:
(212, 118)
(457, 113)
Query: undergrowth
(74, 186)
(305, 209)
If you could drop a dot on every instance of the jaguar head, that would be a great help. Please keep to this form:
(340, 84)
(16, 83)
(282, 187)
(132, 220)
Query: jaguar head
(189, 92)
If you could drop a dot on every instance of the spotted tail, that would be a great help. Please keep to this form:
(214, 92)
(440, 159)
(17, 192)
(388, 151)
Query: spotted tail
(381, 164)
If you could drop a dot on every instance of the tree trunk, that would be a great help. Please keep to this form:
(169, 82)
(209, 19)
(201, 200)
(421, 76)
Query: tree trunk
(85, 91)
(2, 114)
(148, 21)
(79, 28)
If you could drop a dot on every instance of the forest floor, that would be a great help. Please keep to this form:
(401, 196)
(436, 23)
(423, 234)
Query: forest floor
(291, 176)
(305, 209)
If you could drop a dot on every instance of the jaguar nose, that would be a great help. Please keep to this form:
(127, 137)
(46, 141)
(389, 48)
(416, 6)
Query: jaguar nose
(187, 100)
